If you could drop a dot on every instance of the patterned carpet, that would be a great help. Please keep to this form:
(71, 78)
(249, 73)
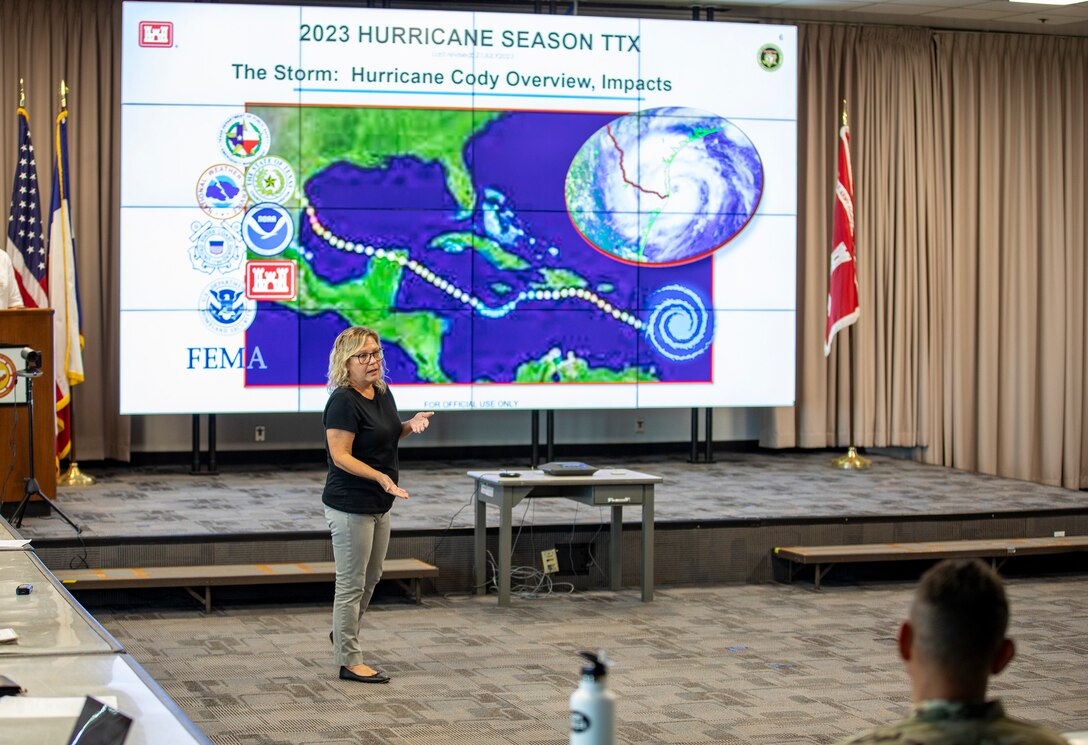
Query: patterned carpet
(766, 484)
(741, 664)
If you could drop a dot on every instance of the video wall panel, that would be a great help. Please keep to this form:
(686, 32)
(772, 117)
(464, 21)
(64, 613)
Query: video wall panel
(532, 211)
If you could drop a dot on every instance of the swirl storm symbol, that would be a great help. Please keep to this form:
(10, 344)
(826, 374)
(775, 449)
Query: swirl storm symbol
(679, 327)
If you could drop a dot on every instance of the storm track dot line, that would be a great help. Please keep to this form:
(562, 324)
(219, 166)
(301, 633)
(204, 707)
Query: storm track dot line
(423, 272)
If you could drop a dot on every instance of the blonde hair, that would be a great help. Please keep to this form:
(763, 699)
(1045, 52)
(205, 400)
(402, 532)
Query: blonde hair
(346, 345)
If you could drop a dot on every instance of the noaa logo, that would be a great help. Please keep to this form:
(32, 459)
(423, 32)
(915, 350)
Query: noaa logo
(215, 247)
(220, 191)
(769, 57)
(225, 308)
(270, 180)
(244, 137)
(267, 229)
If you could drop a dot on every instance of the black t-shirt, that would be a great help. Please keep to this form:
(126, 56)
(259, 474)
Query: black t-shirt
(377, 427)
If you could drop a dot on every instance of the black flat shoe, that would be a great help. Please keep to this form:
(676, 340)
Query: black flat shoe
(377, 677)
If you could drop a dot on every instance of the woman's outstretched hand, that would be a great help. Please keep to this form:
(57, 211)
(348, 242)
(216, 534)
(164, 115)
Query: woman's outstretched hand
(420, 421)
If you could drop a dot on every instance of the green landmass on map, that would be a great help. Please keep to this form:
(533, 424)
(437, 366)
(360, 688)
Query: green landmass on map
(311, 138)
(317, 137)
(560, 279)
(369, 301)
(553, 367)
(491, 251)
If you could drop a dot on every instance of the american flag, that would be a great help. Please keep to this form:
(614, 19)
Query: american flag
(26, 234)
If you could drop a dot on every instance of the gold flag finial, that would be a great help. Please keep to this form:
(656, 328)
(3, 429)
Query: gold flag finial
(63, 95)
(22, 95)
(844, 113)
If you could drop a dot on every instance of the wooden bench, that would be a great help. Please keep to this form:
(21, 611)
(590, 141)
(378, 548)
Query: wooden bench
(407, 572)
(995, 549)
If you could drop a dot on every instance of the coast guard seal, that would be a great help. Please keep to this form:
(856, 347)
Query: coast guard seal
(215, 247)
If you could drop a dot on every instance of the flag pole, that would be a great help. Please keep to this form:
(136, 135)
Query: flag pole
(851, 461)
(73, 476)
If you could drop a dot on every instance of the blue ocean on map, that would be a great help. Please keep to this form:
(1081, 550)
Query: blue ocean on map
(519, 165)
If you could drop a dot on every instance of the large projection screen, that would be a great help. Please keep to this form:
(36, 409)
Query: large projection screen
(534, 212)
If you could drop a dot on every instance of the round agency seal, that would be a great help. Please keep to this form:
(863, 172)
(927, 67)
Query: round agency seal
(215, 247)
(267, 229)
(224, 307)
(769, 57)
(244, 138)
(7, 375)
(220, 191)
(270, 179)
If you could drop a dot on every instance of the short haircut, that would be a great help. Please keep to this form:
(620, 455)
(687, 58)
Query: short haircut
(348, 343)
(960, 615)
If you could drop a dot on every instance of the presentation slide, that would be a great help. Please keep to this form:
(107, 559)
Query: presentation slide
(532, 211)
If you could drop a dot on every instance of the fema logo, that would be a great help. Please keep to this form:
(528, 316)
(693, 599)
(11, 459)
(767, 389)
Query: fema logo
(267, 229)
(220, 192)
(224, 307)
(270, 180)
(215, 247)
(244, 137)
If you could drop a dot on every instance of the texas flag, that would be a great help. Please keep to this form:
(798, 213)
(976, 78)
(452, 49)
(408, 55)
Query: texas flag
(63, 294)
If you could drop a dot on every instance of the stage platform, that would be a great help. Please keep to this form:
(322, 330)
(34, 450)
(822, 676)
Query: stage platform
(715, 522)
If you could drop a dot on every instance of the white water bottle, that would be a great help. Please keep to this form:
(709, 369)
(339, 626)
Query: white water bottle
(592, 705)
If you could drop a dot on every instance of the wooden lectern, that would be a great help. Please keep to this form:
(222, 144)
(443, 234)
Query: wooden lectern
(30, 327)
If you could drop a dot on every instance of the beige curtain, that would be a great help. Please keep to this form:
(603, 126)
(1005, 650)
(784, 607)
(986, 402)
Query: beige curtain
(43, 42)
(870, 391)
(970, 201)
(1010, 391)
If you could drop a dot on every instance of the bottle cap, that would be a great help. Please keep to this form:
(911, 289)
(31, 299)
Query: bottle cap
(598, 665)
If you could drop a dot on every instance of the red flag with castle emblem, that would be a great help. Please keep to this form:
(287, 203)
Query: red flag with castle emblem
(842, 290)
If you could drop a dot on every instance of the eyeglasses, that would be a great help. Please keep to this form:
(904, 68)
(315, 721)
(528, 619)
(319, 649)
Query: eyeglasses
(368, 356)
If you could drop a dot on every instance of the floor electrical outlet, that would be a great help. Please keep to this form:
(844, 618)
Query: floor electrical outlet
(550, 560)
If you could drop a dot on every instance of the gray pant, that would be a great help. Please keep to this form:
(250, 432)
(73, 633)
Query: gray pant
(359, 543)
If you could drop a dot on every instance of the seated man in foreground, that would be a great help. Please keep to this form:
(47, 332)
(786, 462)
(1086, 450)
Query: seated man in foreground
(951, 644)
